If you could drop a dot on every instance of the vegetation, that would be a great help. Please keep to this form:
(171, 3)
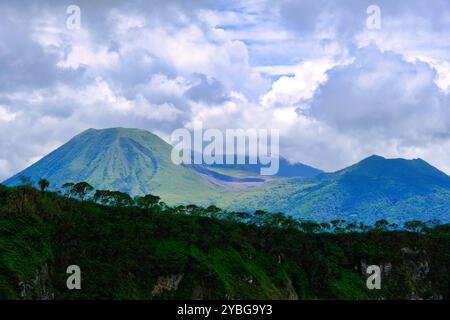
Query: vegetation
(43, 184)
(141, 248)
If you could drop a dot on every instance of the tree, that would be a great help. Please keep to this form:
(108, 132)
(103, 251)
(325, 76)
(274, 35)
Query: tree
(121, 199)
(351, 227)
(148, 201)
(113, 198)
(309, 226)
(213, 211)
(259, 217)
(325, 226)
(67, 187)
(103, 197)
(81, 189)
(415, 225)
(363, 227)
(239, 216)
(338, 225)
(191, 207)
(433, 223)
(43, 184)
(289, 223)
(381, 224)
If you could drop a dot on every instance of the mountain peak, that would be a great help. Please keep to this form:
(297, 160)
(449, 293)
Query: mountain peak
(374, 157)
(390, 161)
(127, 159)
(116, 130)
(399, 169)
(115, 133)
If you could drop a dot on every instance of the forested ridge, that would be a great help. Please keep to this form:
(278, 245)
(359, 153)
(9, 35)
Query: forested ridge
(140, 248)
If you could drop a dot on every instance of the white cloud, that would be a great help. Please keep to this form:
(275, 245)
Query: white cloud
(84, 55)
(300, 66)
(384, 93)
(4, 167)
(161, 84)
(5, 115)
(162, 112)
(291, 90)
(75, 48)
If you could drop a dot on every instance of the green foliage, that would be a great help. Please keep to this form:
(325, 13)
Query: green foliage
(113, 198)
(239, 274)
(148, 201)
(146, 250)
(43, 184)
(172, 254)
(81, 189)
(349, 286)
(415, 225)
(25, 246)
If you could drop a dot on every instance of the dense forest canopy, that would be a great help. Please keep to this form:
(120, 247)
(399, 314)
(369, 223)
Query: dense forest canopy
(140, 248)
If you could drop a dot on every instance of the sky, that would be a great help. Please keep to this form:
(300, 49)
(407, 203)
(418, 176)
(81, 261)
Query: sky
(337, 84)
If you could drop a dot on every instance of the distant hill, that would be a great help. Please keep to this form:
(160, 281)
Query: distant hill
(286, 168)
(138, 162)
(375, 188)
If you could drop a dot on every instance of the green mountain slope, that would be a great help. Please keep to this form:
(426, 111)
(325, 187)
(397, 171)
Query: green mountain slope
(375, 188)
(131, 160)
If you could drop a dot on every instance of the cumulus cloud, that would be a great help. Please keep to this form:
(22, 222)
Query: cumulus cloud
(300, 87)
(382, 92)
(5, 115)
(336, 90)
(378, 103)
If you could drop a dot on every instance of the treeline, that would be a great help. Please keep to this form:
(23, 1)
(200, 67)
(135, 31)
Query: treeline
(86, 192)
